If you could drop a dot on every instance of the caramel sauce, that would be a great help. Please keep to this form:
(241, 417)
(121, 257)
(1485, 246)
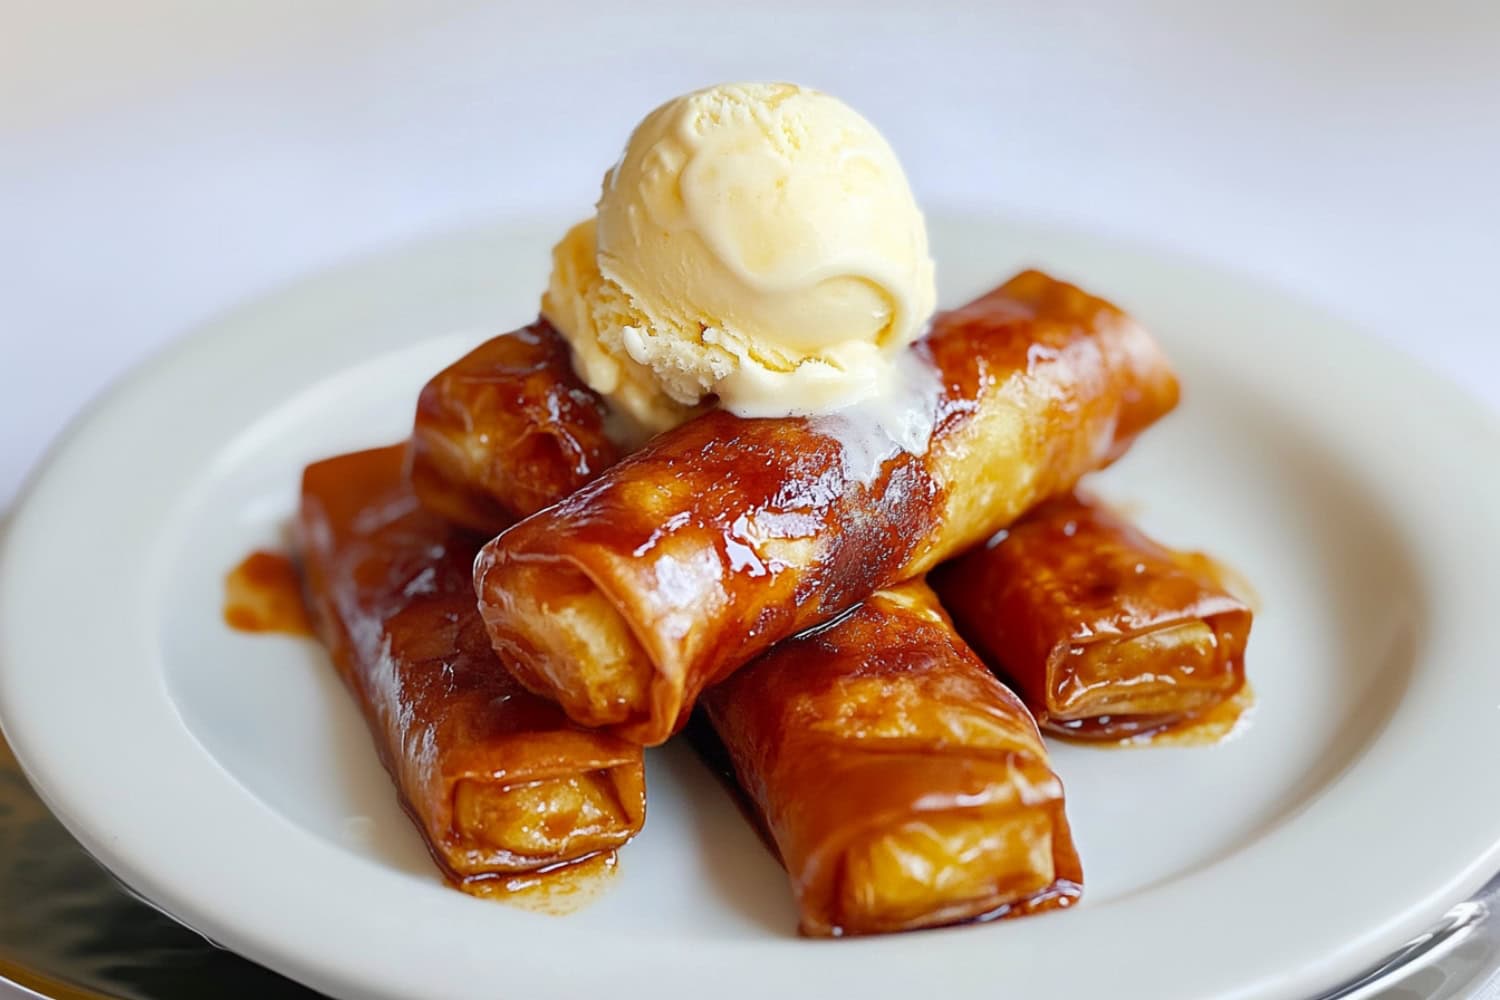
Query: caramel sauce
(556, 891)
(1223, 722)
(264, 594)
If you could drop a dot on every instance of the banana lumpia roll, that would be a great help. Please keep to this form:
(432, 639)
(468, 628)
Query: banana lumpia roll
(1104, 632)
(497, 780)
(902, 784)
(725, 535)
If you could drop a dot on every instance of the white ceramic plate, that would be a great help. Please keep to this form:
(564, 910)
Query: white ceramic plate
(228, 777)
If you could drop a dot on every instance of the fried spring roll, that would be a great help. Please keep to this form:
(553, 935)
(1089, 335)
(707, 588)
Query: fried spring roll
(903, 785)
(497, 780)
(506, 430)
(1105, 633)
(724, 536)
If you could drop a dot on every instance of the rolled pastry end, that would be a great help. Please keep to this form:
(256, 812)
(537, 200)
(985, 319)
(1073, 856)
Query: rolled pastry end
(547, 619)
(943, 869)
(550, 820)
(1181, 665)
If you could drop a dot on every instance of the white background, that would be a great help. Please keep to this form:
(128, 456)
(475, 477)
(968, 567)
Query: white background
(163, 160)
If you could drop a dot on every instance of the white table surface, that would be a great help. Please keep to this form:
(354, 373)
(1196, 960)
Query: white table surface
(163, 160)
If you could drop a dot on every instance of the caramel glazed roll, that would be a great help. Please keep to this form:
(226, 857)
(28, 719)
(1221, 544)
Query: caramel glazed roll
(724, 536)
(903, 785)
(506, 430)
(1105, 633)
(497, 780)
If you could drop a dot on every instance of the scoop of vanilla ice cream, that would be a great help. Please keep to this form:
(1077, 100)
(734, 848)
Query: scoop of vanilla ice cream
(757, 243)
(583, 308)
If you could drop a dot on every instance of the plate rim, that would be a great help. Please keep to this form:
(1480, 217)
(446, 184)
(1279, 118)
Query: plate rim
(61, 783)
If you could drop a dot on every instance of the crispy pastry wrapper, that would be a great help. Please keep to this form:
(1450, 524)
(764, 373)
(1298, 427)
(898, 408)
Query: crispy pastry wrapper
(902, 784)
(507, 430)
(1104, 632)
(724, 536)
(497, 780)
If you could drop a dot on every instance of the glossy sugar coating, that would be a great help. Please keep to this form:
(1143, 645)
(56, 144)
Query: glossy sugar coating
(497, 779)
(903, 785)
(506, 430)
(1105, 633)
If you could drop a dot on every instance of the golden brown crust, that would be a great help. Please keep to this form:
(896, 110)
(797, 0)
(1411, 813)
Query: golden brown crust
(506, 430)
(724, 536)
(390, 589)
(1104, 632)
(879, 750)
